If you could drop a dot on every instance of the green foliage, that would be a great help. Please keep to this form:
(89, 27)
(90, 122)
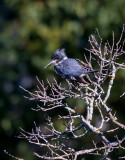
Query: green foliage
(30, 30)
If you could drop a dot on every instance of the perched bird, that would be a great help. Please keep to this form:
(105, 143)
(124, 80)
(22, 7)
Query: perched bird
(69, 68)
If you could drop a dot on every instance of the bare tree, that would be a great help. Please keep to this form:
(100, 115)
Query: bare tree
(107, 58)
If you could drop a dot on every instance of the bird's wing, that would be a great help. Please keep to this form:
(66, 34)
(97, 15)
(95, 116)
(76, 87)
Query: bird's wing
(73, 67)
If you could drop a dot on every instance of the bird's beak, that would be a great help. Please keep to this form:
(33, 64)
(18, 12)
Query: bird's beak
(52, 62)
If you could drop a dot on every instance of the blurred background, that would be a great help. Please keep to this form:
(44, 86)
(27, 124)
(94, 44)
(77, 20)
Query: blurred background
(30, 30)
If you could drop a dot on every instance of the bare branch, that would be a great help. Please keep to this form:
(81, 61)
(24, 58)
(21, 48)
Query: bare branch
(95, 98)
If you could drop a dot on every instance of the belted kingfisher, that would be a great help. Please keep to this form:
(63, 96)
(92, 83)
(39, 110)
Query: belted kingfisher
(69, 68)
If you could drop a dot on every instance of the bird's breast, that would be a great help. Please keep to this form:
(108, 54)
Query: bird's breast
(59, 70)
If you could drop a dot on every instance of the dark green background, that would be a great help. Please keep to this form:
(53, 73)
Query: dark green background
(30, 30)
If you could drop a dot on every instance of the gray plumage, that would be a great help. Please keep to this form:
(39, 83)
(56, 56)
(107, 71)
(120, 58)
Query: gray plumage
(69, 68)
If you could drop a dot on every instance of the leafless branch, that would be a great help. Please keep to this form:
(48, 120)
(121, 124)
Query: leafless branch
(95, 97)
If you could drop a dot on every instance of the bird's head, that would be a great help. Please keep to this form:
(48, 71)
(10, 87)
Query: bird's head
(58, 56)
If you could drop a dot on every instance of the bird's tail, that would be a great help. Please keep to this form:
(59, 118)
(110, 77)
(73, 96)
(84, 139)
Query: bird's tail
(87, 72)
(86, 79)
